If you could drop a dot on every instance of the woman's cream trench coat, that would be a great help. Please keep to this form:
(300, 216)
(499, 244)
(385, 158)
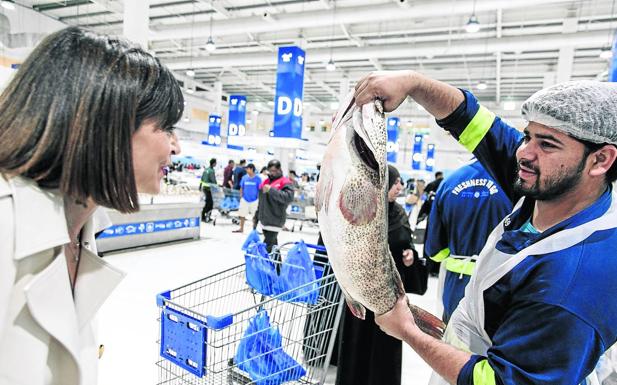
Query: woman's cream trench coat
(46, 336)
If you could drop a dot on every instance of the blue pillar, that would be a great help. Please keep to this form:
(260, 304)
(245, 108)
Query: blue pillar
(416, 157)
(393, 124)
(214, 131)
(612, 74)
(289, 96)
(237, 118)
(430, 157)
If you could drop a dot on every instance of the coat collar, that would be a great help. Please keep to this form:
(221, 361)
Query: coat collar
(36, 211)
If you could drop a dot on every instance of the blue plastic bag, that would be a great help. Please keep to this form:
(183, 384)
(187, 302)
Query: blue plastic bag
(298, 277)
(260, 354)
(260, 269)
(253, 237)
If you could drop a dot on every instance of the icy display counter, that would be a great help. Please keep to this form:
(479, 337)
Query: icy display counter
(154, 223)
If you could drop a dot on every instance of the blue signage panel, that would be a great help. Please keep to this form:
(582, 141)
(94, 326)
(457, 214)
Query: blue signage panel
(393, 124)
(214, 131)
(237, 118)
(289, 96)
(138, 228)
(430, 157)
(416, 157)
(612, 74)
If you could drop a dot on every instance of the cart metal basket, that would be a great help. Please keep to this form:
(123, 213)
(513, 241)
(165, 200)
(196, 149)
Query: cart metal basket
(203, 323)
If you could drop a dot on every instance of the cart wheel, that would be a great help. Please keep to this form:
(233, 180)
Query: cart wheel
(301, 226)
(293, 228)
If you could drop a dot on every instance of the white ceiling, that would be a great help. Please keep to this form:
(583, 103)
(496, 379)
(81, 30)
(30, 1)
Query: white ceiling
(522, 46)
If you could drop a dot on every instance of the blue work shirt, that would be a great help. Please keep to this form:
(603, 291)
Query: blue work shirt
(553, 315)
(250, 187)
(467, 207)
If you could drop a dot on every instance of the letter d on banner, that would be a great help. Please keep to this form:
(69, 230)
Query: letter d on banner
(393, 124)
(288, 98)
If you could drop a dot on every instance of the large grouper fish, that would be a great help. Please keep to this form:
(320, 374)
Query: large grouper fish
(351, 202)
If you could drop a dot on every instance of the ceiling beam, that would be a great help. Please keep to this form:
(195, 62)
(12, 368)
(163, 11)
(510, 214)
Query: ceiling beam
(508, 44)
(348, 15)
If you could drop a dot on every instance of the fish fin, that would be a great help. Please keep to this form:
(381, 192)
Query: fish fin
(358, 201)
(427, 322)
(323, 192)
(356, 308)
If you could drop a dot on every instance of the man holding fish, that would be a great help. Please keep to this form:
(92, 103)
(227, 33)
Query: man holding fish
(541, 306)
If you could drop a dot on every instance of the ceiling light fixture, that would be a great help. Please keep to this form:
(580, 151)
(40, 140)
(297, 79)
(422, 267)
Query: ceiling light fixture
(8, 4)
(210, 46)
(473, 25)
(482, 86)
(606, 53)
(190, 73)
(331, 66)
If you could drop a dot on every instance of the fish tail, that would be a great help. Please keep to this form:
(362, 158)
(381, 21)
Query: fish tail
(427, 322)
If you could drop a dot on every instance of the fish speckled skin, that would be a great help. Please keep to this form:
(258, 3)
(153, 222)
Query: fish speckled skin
(351, 201)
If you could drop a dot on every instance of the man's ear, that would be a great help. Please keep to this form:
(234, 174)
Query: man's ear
(603, 159)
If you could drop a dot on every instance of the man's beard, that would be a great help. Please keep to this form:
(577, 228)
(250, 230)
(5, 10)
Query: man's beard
(553, 186)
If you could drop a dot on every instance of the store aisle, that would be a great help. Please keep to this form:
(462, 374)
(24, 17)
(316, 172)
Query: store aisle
(127, 321)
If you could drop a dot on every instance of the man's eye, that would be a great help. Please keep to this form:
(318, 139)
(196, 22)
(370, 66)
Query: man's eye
(547, 145)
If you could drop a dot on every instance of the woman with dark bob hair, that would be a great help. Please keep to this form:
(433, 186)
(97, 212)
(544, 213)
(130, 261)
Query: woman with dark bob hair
(87, 121)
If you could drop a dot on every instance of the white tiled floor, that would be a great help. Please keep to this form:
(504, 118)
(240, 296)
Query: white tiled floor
(127, 321)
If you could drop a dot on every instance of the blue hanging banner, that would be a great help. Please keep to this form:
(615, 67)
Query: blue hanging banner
(612, 74)
(430, 157)
(289, 96)
(214, 131)
(416, 157)
(237, 118)
(393, 124)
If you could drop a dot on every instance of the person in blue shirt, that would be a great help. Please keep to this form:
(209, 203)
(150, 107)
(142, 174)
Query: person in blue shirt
(249, 193)
(540, 307)
(467, 206)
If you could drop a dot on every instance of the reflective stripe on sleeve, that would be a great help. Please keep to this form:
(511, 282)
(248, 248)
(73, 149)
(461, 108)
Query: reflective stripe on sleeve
(477, 128)
(443, 254)
(460, 266)
(483, 374)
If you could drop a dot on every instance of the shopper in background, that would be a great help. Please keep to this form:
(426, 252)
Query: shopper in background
(239, 172)
(208, 178)
(367, 355)
(467, 207)
(228, 174)
(434, 185)
(540, 307)
(86, 121)
(293, 177)
(264, 173)
(249, 194)
(275, 194)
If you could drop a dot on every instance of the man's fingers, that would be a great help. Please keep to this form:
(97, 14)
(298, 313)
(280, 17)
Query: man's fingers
(362, 82)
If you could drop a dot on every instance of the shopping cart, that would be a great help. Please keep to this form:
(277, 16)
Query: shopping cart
(203, 324)
(226, 201)
(302, 210)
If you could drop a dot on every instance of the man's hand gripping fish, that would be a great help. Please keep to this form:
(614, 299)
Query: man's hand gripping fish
(351, 201)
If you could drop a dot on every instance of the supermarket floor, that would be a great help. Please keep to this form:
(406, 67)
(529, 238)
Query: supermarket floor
(127, 321)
